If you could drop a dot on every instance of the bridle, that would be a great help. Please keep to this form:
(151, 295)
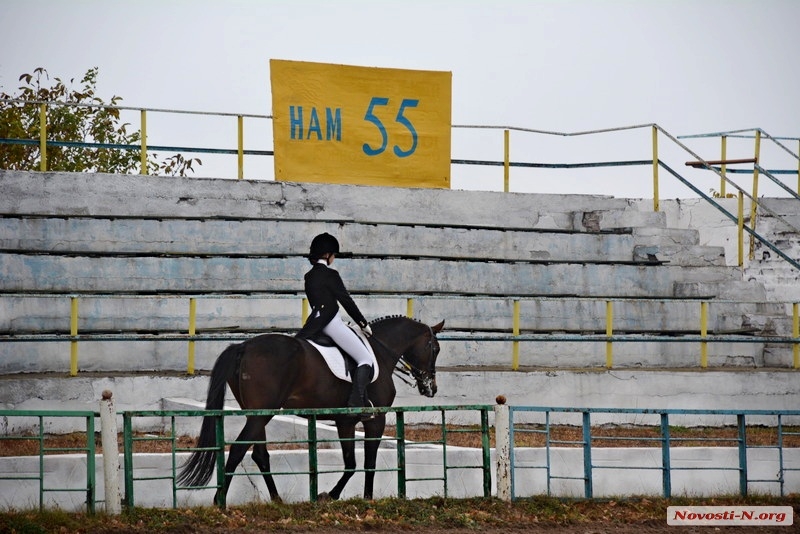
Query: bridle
(403, 368)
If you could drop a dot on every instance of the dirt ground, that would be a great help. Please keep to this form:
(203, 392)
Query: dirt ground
(580, 528)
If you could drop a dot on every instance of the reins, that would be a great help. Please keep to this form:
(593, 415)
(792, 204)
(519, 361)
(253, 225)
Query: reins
(402, 368)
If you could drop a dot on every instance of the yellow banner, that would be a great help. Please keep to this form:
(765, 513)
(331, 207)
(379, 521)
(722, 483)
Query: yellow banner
(360, 125)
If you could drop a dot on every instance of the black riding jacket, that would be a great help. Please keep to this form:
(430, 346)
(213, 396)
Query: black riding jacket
(325, 290)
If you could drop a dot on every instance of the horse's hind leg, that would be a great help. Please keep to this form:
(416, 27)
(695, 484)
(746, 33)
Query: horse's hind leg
(249, 433)
(261, 458)
(347, 431)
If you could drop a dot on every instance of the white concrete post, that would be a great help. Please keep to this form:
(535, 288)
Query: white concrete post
(502, 449)
(108, 435)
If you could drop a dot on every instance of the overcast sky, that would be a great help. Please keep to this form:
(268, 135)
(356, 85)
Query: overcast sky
(692, 66)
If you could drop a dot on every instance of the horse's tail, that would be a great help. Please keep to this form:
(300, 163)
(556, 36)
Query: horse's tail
(196, 472)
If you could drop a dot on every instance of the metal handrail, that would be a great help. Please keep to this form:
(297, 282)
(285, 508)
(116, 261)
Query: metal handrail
(133, 108)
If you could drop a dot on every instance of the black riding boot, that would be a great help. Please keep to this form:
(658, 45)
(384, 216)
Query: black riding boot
(361, 379)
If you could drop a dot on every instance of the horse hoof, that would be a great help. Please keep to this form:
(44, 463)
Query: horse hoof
(276, 499)
(324, 497)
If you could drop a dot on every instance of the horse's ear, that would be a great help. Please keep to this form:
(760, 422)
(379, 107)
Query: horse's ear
(438, 328)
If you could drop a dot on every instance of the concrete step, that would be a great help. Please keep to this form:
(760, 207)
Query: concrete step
(732, 289)
(787, 292)
(123, 196)
(45, 273)
(108, 237)
(459, 349)
(691, 256)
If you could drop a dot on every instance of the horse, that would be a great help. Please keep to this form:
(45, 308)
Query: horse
(273, 371)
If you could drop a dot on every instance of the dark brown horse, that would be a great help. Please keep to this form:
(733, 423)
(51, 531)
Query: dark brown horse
(274, 371)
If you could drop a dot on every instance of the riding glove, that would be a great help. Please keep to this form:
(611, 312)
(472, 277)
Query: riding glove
(367, 330)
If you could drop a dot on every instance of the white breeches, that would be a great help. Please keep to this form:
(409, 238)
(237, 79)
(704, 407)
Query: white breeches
(348, 340)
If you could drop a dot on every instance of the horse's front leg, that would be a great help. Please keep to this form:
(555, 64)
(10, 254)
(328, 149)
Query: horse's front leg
(373, 432)
(347, 431)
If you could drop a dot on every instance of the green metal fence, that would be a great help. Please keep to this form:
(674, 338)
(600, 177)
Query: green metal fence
(46, 454)
(664, 441)
(310, 443)
(779, 472)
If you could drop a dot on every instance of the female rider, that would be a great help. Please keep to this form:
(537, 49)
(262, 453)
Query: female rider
(325, 291)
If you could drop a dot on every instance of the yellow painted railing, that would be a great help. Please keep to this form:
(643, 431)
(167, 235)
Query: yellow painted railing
(515, 336)
(506, 163)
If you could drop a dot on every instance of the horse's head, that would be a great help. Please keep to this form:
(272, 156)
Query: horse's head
(413, 345)
(421, 359)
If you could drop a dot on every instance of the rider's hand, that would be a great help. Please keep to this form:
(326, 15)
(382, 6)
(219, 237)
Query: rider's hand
(367, 330)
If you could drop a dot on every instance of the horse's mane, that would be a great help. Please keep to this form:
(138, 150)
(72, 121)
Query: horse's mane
(387, 317)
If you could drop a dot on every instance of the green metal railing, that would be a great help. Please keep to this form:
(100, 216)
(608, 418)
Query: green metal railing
(44, 452)
(785, 465)
(311, 443)
(664, 440)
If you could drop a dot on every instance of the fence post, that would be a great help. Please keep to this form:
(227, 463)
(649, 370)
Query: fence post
(666, 463)
(502, 449)
(220, 498)
(742, 442)
(192, 332)
(655, 168)
(313, 461)
(587, 457)
(73, 333)
(143, 129)
(505, 161)
(795, 335)
(740, 225)
(240, 143)
(723, 167)
(754, 204)
(400, 425)
(108, 435)
(127, 456)
(43, 137)
(515, 331)
(704, 334)
(609, 333)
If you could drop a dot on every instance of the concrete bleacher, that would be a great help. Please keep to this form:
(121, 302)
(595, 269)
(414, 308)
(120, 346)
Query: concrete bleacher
(135, 248)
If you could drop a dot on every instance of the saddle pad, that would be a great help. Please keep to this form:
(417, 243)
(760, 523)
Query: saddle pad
(335, 360)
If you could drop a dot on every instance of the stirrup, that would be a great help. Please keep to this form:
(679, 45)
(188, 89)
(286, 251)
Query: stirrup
(368, 416)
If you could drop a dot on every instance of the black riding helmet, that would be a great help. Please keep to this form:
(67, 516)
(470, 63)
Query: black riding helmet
(321, 245)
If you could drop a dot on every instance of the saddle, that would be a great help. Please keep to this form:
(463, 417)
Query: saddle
(339, 362)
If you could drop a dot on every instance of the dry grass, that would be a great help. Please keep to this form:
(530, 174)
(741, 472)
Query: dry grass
(395, 516)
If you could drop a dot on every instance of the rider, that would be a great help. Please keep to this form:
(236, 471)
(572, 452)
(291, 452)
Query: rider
(325, 290)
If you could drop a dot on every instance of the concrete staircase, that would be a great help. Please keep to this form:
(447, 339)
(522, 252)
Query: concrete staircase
(239, 246)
